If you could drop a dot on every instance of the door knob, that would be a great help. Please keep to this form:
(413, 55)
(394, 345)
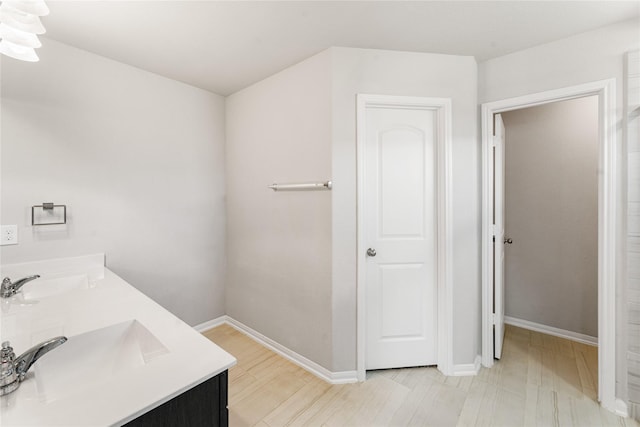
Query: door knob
(508, 240)
(371, 252)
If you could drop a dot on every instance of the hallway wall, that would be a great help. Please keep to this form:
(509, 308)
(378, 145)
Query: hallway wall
(551, 201)
(583, 58)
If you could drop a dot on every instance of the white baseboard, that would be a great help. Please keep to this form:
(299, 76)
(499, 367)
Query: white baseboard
(633, 411)
(344, 377)
(210, 324)
(321, 372)
(550, 330)
(621, 408)
(467, 369)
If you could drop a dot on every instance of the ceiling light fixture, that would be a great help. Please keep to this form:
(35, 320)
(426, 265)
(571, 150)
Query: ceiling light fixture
(19, 26)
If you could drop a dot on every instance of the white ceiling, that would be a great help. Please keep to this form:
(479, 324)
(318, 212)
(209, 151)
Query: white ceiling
(224, 46)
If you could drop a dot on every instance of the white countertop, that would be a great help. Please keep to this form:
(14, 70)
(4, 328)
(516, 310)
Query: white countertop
(113, 396)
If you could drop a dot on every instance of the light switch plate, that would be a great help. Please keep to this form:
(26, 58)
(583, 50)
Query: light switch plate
(8, 235)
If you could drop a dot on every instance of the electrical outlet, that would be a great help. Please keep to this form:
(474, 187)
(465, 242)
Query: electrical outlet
(8, 235)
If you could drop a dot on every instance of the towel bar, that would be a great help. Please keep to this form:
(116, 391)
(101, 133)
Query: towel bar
(308, 186)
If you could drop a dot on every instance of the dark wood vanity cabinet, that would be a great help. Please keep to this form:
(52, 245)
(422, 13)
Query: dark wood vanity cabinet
(205, 405)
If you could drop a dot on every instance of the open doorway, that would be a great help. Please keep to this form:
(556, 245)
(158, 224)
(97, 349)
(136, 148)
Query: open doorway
(549, 200)
(606, 213)
(551, 218)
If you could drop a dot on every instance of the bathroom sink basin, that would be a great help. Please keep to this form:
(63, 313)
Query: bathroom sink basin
(43, 288)
(91, 359)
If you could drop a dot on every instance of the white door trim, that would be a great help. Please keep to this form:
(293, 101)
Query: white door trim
(608, 198)
(442, 106)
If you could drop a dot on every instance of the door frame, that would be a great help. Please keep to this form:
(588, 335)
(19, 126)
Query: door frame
(444, 290)
(608, 198)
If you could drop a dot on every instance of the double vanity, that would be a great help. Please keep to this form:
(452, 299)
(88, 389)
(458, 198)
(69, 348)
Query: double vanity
(126, 360)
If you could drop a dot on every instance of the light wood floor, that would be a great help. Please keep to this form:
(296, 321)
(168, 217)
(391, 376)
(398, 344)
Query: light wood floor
(540, 381)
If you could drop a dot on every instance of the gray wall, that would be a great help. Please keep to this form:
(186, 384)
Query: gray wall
(137, 158)
(292, 259)
(586, 57)
(279, 244)
(411, 74)
(551, 201)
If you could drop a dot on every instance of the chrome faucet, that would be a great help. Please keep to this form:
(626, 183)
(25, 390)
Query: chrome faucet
(9, 288)
(13, 370)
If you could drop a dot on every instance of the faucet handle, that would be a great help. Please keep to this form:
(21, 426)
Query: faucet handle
(6, 353)
(8, 375)
(9, 288)
(13, 370)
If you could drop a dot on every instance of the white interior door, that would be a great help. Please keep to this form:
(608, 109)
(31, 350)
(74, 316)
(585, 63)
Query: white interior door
(499, 236)
(400, 227)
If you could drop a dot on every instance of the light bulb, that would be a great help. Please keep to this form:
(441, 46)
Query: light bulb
(34, 7)
(18, 37)
(19, 24)
(18, 52)
(19, 20)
